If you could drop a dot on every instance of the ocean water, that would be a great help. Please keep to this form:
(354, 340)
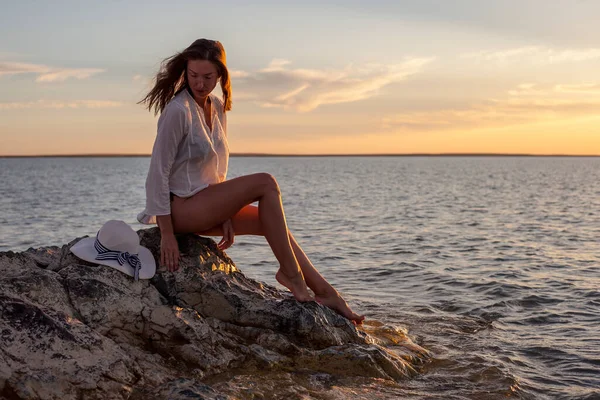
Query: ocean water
(490, 263)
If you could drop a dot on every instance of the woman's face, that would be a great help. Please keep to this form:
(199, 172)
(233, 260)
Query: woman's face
(202, 77)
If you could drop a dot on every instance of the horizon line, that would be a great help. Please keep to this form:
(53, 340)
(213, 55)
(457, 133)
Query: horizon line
(107, 155)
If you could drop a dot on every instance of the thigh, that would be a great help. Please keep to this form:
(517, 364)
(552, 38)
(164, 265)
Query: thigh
(210, 207)
(245, 222)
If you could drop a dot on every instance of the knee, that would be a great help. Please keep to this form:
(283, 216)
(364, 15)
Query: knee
(268, 183)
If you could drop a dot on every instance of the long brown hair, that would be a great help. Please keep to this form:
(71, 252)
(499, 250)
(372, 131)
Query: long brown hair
(172, 77)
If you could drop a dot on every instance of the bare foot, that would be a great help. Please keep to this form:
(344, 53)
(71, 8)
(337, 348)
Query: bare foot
(338, 304)
(296, 285)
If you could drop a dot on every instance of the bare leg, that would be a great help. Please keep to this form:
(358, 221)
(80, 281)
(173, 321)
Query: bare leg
(324, 292)
(247, 222)
(217, 203)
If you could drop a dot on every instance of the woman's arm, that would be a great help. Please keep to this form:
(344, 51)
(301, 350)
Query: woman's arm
(169, 249)
(171, 130)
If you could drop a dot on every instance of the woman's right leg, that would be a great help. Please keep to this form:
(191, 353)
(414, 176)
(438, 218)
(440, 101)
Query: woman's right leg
(219, 202)
(246, 222)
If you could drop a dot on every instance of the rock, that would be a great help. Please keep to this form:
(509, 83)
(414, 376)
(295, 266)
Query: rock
(70, 329)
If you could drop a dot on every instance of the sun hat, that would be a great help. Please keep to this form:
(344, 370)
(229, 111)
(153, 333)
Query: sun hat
(117, 245)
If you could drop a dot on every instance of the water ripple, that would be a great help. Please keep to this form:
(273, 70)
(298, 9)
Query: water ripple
(489, 263)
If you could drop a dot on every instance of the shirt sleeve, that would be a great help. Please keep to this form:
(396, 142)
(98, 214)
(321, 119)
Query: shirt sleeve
(171, 130)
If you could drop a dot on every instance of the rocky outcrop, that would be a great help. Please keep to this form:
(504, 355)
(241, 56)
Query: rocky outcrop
(75, 330)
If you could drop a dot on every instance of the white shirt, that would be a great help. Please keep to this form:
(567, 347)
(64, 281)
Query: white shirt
(187, 155)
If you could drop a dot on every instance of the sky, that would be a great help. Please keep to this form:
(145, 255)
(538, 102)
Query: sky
(310, 77)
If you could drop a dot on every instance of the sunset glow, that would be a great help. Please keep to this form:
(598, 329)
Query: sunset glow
(311, 78)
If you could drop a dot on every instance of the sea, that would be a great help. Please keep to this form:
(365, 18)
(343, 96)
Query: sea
(490, 263)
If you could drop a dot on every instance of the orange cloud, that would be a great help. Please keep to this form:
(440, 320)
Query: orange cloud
(527, 103)
(536, 55)
(46, 73)
(61, 104)
(303, 90)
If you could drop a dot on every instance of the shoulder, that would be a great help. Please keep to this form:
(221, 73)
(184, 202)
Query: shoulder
(180, 101)
(178, 107)
(175, 116)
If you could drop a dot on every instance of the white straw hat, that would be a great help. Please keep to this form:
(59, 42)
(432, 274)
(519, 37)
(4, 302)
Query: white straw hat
(117, 245)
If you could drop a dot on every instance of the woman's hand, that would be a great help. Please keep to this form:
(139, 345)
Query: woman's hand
(169, 252)
(228, 235)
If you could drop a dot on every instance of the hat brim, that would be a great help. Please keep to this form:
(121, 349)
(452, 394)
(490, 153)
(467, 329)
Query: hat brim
(85, 250)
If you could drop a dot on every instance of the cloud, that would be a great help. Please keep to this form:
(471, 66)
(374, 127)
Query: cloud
(239, 95)
(144, 80)
(64, 74)
(46, 73)
(276, 65)
(535, 54)
(11, 68)
(238, 74)
(99, 103)
(527, 89)
(532, 89)
(280, 86)
(527, 103)
(53, 104)
(584, 88)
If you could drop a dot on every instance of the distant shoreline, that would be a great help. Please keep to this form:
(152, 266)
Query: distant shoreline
(314, 155)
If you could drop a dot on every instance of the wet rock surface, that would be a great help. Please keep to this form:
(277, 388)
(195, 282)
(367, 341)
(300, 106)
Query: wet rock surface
(70, 329)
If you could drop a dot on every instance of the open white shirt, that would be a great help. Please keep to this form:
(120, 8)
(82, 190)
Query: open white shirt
(187, 155)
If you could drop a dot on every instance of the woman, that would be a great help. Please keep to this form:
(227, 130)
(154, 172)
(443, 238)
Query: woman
(186, 190)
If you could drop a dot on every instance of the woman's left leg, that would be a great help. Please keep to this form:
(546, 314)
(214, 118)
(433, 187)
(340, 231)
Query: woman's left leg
(246, 222)
(324, 292)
